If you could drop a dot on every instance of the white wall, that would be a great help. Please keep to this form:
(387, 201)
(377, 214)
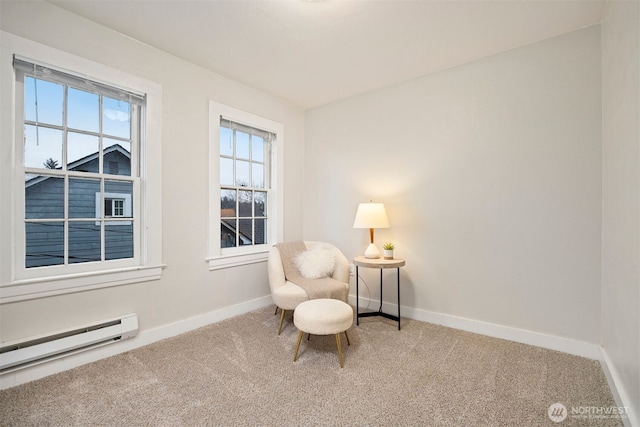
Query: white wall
(491, 176)
(621, 197)
(187, 288)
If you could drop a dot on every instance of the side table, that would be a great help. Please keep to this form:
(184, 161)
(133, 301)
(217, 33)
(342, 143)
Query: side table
(381, 264)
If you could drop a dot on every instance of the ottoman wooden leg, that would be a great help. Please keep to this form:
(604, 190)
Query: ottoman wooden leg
(347, 335)
(295, 355)
(339, 350)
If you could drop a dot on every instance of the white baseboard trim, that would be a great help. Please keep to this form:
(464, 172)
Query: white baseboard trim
(619, 391)
(538, 339)
(143, 338)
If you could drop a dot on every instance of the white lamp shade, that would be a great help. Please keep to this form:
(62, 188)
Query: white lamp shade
(371, 215)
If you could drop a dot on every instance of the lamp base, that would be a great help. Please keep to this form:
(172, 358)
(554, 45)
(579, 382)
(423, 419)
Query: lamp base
(372, 251)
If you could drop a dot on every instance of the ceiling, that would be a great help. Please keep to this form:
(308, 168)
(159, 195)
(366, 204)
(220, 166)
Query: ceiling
(310, 53)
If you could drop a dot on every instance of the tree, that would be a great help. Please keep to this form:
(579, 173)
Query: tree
(50, 163)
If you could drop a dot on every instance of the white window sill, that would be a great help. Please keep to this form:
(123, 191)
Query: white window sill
(227, 261)
(21, 290)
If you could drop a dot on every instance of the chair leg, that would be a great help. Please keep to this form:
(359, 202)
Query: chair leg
(339, 350)
(295, 355)
(281, 320)
(275, 312)
(347, 335)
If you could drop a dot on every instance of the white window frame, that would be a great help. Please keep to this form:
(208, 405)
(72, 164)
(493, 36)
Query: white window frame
(18, 283)
(230, 257)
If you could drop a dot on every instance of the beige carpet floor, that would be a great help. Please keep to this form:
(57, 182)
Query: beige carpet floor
(240, 373)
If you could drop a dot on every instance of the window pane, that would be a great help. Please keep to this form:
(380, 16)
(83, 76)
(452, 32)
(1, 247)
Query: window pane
(260, 231)
(122, 190)
(83, 112)
(260, 203)
(227, 203)
(257, 175)
(242, 145)
(108, 208)
(244, 205)
(49, 102)
(82, 152)
(44, 244)
(118, 207)
(44, 197)
(116, 117)
(42, 147)
(245, 233)
(228, 233)
(257, 149)
(118, 242)
(82, 197)
(84, 242)
(242, 173)
(116, 157)
(226, 142)
(226, 171)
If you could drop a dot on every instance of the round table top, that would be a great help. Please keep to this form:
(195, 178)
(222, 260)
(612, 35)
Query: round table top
(361, 261)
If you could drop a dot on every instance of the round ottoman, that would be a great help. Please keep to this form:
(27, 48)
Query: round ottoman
(323, 317)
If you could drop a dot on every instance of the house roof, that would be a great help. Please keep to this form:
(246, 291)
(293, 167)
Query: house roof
(310, 53)
(116, 148)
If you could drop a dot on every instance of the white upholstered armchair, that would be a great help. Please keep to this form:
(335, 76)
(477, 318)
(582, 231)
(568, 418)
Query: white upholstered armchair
(287, 295)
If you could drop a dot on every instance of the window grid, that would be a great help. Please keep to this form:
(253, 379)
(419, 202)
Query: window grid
(243, 204)
(80, 234)
(118, 207)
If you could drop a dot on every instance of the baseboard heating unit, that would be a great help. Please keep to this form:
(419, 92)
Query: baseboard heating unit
(21, 354)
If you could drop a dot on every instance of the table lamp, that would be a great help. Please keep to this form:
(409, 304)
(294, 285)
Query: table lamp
(371, 215)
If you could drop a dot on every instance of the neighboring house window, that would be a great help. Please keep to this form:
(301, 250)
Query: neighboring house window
(246, 203)
(113, 208)
(85, 181)
(116, 205)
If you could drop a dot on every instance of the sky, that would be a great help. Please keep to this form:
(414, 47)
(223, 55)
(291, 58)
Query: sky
(44, 104)
(249, 147)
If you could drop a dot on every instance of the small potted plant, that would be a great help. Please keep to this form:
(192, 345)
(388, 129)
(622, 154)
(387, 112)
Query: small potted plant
(388, 250)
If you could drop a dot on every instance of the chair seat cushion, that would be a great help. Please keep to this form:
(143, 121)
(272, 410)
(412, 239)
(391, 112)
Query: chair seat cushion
(288, 296)
(323, 316)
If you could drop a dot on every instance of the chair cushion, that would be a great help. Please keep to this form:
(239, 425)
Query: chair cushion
(288, 296)
(316, 263)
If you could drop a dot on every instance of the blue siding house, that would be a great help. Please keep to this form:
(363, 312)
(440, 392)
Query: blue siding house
(44, 209)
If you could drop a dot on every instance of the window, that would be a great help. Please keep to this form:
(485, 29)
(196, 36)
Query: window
(116, 205)
(113, 208)
(246, 206)
(75, 131)
(83, 188)
(244, 184)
